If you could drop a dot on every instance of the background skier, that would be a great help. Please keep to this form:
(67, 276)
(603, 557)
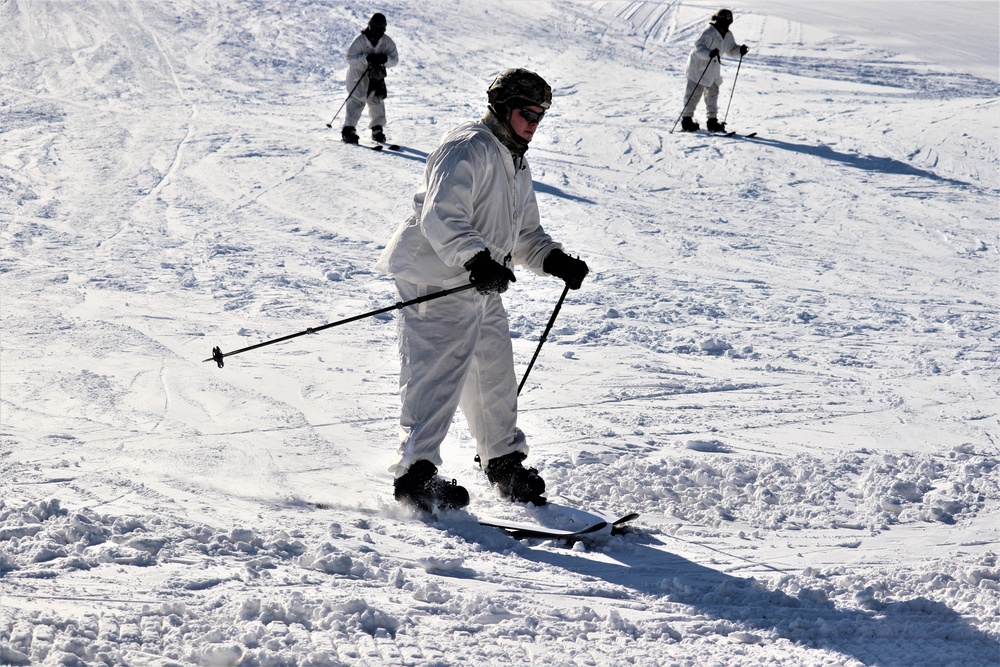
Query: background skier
(474, 217)
(371, 52)
(705, 66)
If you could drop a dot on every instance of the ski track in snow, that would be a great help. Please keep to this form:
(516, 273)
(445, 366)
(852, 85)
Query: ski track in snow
(785, 358)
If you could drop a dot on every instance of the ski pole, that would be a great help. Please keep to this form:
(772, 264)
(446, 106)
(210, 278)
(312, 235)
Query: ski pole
(691, 95)
(733, 90)
(218, 356)
(541, 341)
(349, 95)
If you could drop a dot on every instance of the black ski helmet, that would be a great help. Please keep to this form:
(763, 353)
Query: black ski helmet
(722, 16)
(518, 87)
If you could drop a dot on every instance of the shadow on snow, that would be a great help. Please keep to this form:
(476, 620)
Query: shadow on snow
(883, 165)
(542, 188)
(885, 633)
(910, 79)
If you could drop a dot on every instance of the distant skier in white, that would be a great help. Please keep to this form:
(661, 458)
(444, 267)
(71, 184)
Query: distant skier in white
(704, 71)
(474, 217)
(371, 52)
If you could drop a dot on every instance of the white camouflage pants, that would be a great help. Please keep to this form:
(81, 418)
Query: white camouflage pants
(455, 352)
(693, 95)
(356, 104)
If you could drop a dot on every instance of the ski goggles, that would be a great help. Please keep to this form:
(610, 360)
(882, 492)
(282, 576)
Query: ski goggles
(531, 116)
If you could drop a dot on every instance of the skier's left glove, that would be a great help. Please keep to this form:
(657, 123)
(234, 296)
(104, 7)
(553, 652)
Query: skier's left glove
(744, 49)
(489, 276)
(377, 58)
(570, 269)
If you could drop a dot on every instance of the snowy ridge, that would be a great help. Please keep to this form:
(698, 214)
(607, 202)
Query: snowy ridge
(785, 357)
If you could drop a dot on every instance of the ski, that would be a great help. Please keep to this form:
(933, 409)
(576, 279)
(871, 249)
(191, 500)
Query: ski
(619, 526)
(722, 134)
(521, 531)
(377, 147)
(735, 134)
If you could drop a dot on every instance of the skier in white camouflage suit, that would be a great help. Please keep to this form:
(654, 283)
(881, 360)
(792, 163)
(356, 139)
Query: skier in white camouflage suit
(474, 217)
(704, 71)
(371, 52)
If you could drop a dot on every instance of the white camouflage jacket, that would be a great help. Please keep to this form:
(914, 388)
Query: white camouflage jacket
(472, 198)
(357, 56)
(697, 61)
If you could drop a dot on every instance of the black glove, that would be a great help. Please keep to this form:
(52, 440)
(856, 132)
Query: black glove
(377, 58)
(570, 269)
(744, 49)
(488, 276)
(714, 53)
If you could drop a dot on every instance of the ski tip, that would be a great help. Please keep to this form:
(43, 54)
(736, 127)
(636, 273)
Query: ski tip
(625, 519)
(751, 135)
(319, 505)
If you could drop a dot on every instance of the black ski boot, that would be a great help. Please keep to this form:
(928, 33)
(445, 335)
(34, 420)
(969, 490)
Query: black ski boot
(377, 135)
(422, 488)
(349, 134)
(689, 124)
(715, 126)
(515, 482)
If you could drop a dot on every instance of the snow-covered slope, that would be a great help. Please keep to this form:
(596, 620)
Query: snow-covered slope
(785, 358)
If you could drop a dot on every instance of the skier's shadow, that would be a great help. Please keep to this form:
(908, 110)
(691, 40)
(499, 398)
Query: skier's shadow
(882, 165)
(541, 188)
(408, 153)
(880, 633)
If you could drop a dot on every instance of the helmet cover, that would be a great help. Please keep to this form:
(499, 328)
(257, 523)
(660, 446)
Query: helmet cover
(522, 85)
(723, 15)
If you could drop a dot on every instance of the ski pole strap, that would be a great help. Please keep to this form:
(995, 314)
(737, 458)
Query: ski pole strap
(218, 355)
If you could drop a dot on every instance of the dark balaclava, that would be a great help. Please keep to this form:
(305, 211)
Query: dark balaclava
(722, 19)
(376, 28)
(513, 89)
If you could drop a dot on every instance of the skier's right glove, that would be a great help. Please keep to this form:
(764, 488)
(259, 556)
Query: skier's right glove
(744, 49)
(714, 53)
(488, 276)
(377, 58)
(570, 269)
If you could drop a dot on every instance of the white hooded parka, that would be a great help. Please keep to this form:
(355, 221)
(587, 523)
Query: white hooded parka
(357, 60)
(473, 198)
(358, 83)
(699, 59)
(456, 351)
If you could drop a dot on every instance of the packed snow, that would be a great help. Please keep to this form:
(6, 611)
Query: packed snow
(786, 358)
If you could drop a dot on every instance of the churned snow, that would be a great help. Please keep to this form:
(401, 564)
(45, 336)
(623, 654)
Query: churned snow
(785, 358)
